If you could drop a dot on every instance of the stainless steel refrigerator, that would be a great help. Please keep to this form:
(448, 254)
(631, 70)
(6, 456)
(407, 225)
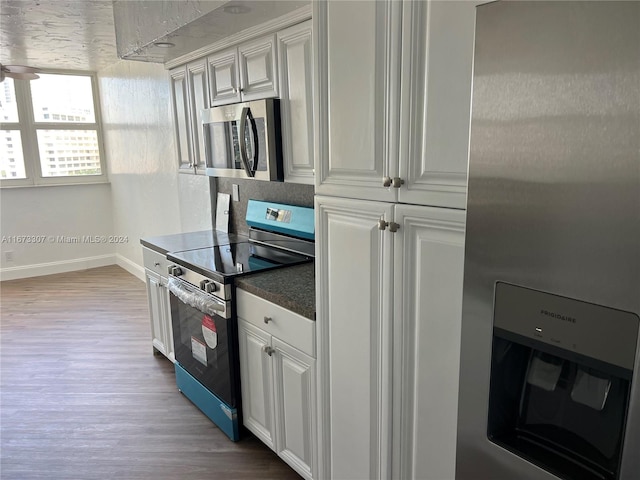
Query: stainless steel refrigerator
(549, 384)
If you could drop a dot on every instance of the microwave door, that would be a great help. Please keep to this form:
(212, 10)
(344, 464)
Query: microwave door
(222, 145)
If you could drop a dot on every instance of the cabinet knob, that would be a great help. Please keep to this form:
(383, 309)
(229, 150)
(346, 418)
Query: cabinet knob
(268, 350)
(393, 226)
(157, 264)
(394, 182)
(268, 319)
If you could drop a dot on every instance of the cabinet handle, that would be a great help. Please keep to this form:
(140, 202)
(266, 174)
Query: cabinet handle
(157, 264)
(394, 182)
(393, 227)
(268, 319)
(268, 350)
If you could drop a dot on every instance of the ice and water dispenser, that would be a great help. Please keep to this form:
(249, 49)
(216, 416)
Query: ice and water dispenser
(561, 372)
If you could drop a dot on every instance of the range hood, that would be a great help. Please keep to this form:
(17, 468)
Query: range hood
(159, 31)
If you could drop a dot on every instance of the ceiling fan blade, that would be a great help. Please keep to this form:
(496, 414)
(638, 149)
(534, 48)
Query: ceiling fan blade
(20, 69)
(21, 76)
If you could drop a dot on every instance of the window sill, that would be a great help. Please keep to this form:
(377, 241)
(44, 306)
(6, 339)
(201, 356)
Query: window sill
(9, 186)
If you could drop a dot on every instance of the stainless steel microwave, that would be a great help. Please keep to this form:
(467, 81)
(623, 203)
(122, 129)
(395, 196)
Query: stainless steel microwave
(243, 140)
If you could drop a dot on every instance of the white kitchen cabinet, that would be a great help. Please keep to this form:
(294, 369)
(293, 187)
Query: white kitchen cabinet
(189, 96)
(358, 56)
(294, 395)
(354, 319)
(393, 111)
(388, 338)
(437, 60)
(158, 296)
(180, 110)
(256, 376)
(295, 65)
(277, 375)
(427, 296)
(244, 73)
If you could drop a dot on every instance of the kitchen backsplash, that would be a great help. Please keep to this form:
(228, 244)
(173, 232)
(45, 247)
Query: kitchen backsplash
(290, 193)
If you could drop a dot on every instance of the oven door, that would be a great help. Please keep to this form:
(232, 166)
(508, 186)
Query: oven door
(243, 140)
(205, 339)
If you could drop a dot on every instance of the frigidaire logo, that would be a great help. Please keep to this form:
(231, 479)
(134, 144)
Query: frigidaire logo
(559, 316)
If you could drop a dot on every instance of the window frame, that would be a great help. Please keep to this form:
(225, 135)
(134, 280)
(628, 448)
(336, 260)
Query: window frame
(28, 128)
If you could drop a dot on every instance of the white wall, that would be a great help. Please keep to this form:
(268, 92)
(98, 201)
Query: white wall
(50, 212)
(149, 197)
(146, 196)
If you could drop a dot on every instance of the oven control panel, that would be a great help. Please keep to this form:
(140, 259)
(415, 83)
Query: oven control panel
(205, 284)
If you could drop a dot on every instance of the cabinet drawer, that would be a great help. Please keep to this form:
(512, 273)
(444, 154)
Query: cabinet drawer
(291, 328)
(154, 261)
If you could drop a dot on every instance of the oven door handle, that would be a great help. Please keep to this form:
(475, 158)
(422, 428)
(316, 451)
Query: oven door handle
(196, 298)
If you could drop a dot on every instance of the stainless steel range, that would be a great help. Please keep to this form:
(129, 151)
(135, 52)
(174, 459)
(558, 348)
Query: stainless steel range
(203, 313)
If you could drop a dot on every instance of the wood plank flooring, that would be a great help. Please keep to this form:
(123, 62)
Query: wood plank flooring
(83, 397)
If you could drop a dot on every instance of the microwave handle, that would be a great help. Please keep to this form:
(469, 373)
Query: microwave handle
(246, 112)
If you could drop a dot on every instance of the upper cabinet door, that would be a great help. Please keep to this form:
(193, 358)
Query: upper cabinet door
(295, 65)
(437, 58)
(357, 65)
(258, 69)
(180, 107)
(224, 82)
(198, 99)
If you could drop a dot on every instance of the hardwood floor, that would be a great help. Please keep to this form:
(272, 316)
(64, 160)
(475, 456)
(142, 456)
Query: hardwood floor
(83, 397)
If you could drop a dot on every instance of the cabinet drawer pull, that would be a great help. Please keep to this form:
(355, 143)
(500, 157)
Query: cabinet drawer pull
(268, 319)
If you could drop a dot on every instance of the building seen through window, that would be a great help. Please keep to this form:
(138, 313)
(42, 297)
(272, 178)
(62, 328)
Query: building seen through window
(54, 133)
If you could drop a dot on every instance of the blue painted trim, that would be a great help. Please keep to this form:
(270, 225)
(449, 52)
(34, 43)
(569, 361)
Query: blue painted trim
(225, 417)
(302, 223)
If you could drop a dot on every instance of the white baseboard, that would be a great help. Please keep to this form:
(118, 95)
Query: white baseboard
(132, 267)
(39, 269)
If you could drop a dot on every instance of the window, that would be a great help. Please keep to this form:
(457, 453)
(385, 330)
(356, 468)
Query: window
(41, 125)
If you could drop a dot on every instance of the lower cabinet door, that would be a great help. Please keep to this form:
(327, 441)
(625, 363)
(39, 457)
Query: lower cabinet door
(295, 400)
(428, 275)
(354, 323)
(256, 378)
(157, 307)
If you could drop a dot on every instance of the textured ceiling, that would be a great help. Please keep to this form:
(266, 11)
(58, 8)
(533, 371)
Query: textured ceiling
(80, 34)
(64, 34)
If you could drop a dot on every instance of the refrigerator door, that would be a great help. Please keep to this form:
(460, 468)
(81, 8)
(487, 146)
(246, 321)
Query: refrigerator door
(553, 203)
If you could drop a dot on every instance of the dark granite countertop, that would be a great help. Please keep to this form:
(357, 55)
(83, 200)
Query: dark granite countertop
(293, 288)
(180, 242)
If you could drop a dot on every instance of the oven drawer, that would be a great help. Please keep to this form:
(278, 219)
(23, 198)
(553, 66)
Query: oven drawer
(291, 328)
(155, 261)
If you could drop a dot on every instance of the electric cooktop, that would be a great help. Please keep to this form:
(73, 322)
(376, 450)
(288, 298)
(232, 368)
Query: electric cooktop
(223, 262)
